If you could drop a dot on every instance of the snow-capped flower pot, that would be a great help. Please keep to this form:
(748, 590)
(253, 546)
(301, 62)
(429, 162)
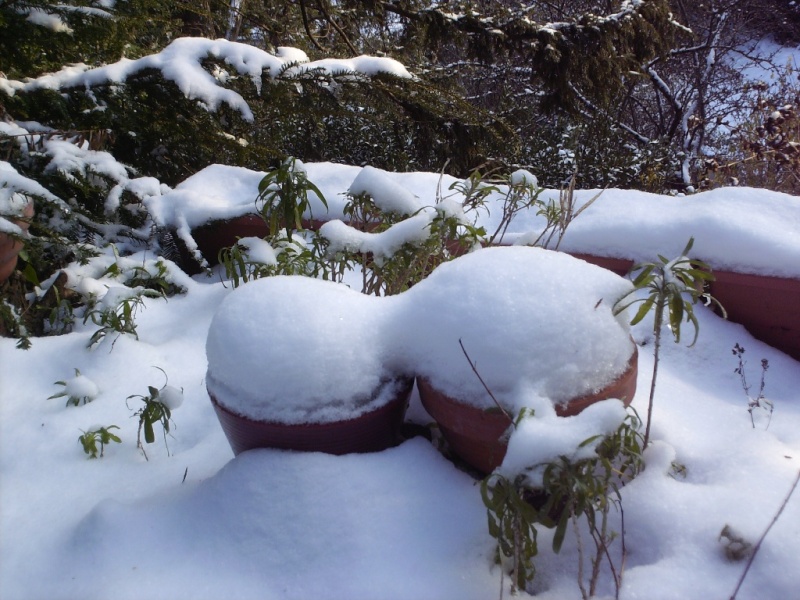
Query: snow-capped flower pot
(478, 435)
(533, 324)
(372, 431)
(215, 235)
(10, 245)
(299, 363)
(620, 266)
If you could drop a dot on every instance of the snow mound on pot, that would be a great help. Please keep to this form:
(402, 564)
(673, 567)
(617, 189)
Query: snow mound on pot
(298, 350)
(528, 318)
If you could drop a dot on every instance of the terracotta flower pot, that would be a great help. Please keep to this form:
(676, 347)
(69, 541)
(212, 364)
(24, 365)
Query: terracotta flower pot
(10, 246)
(215, 235)
(769, 307)
(477, 435)
(620, 266)
(371, 432)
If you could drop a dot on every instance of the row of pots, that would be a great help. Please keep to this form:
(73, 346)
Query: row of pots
(769, 307)
(258, 335)
(478, 437)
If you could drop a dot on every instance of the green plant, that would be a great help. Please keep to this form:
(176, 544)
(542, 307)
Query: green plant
(12, 323)
(119, 318)
(287, 256)
(61, 316)
(570, 489)
(672, 288)
(512, 522)
(79, 389)
(98, 435)
(759, 402)
(158, 407)
(589, 488)
(283, 196)
(521, 192)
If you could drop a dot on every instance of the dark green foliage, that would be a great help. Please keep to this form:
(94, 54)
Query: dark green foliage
(102, 436)
(154, 411)
(27, 50)
(571, 489)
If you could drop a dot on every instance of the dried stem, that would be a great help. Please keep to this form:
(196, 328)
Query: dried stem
(757, 547)
(483, 383)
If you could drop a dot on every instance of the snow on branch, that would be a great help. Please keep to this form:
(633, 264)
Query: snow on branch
(181, 63)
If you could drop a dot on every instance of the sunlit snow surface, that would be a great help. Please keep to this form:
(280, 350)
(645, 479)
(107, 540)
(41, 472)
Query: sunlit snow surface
(403, 523)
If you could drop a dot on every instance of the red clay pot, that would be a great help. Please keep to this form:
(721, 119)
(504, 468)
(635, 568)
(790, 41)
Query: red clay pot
(212, 237)
(769, 307)
(620, 266)
(10, 247)
(371, 432)
(477, 435)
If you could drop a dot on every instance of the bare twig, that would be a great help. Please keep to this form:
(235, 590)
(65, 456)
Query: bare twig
(764, 535)
(483, 383)
(574, 520)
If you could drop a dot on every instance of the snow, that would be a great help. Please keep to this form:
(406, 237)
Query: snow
(258, 250)
(399, 524)
(16, 191)
(524, 177)
(558, 340)
(81, 387)
(180, 62)
(277, 321)
(414, 230)
(362, 341)
(171, 397)
(543, 439)
(735, 228)
(195, 522)
(48, 20)
(766, 61)
(403, 523)
(389, 196)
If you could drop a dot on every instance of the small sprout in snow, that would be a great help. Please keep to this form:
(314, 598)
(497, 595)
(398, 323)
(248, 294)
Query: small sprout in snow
(736, 546)
(672, 289)
(79, 389)
(158, 407)
(678, 470)
(97, 434)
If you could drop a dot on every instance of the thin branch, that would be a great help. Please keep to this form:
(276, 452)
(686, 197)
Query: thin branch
(757, 547)
(304, 16)
(336, 26)
(483, 383)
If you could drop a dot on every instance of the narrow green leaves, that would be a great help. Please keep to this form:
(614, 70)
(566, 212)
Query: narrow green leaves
(673, 287)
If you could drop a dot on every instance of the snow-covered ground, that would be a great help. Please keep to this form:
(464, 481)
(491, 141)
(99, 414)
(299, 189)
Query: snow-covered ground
(195, 522)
